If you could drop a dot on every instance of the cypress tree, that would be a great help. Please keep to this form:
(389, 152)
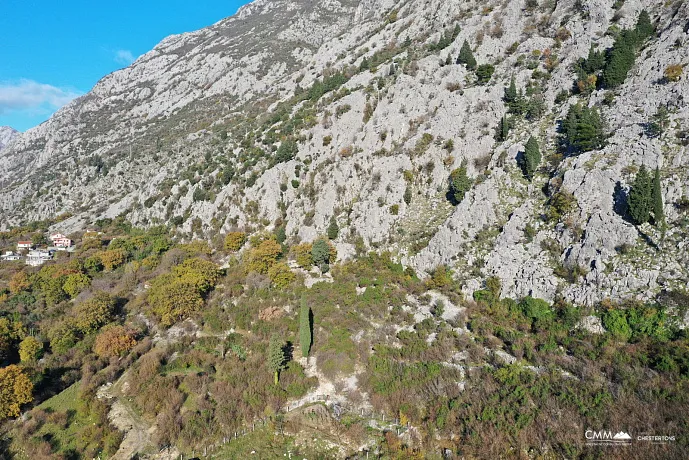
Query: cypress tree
(504, 128)
(532, 157)
(657, 199)
(333, 229)
(276, 357)
(305, 331)
(407, 195)
(466, 56)
(639, 200)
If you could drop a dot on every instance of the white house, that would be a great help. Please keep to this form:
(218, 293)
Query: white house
(60, 241)
(38, 257)
(24, 245)
(9, 255)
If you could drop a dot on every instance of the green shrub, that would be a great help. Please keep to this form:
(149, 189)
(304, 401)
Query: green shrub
(484, 72)
(615, 322)
(460, 183)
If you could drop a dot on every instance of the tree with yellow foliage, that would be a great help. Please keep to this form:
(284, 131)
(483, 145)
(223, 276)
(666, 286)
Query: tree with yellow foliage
(263, 256)
(15, 390)
(95, 313)
(280, 275)
(234, 241)
(204, 274)
(30, 349)
(10, 334)
(19, 282)
(173, 299)
(114, 340)
(75, 283)
(112, 258)
(302, 254)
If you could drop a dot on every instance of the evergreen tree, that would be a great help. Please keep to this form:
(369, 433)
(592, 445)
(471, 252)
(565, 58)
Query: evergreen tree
(514, 99)
(484, 72)
(583, 129)
(407, 195)
(657, 199)
(320, 252)
(659, 122)
(460, 183)
(639, 200)
(504, 128)
(595, 61)
(305, 329)
(276, 357)
(644, 27)
(333, 229)
(621, 58)
(466, 56)
(532, 157)
(510, 93)
(280, 235)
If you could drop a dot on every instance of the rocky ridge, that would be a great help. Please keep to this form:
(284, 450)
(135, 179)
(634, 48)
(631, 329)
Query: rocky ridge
(7, 134)
(190, 132)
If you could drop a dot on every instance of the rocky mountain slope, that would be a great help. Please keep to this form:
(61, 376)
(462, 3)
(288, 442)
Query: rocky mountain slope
(297, 113)
(7, 134)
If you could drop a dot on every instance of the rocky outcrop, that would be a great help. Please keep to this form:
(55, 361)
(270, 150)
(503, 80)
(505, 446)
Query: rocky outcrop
(7, 135)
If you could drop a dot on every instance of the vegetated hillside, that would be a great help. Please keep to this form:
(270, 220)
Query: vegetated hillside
(136, 345)
(360, 112)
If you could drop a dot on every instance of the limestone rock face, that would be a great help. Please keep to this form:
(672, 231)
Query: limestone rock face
(7, 134)
(194, 134)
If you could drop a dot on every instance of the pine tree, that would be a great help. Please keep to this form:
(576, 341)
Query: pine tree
(515, 100)
(276, 357)
(639, 200)
(510, 93)
(466, 56)
(305, 329)
(333, 229)
(644, 27)
(659, 122)
(532, 157)
(657, 199)
(320, 252)
(621, 58)
(583, 129)
(595, 61)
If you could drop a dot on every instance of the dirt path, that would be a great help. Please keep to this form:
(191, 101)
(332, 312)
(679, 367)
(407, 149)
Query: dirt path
(137, 433)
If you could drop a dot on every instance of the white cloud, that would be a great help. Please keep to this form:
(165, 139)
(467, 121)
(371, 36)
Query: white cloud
(29, 95)
(124, 57)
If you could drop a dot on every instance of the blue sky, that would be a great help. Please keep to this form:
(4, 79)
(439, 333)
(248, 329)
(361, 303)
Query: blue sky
(52, 51)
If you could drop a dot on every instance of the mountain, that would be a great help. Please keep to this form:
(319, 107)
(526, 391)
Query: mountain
(295, 113)
(359, 229)
(7, 134)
